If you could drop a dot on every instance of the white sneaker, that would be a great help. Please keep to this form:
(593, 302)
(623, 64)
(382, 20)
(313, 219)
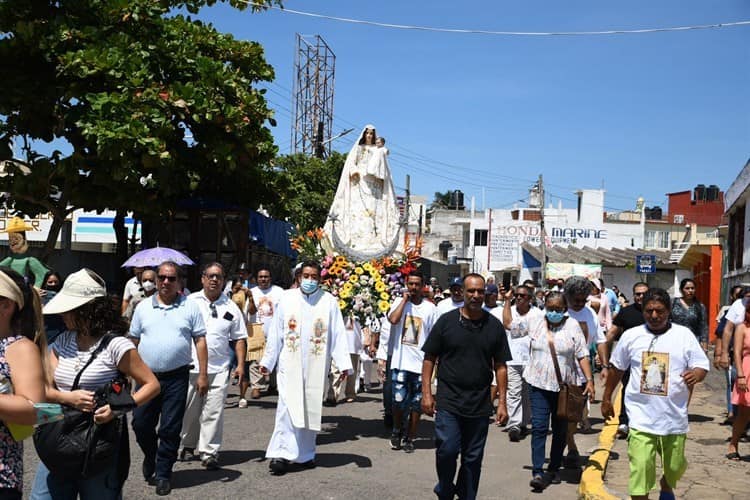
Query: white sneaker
(242, 403)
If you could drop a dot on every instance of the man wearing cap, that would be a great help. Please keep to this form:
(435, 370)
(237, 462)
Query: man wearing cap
(457, 297)
(202, 426)
(490, 301)
(27, 266)
(164, 328)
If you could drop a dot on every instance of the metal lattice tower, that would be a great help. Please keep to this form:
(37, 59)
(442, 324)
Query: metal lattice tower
(314, 65)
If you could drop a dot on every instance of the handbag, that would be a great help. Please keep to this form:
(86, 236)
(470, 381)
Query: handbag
(77, 447)
(256, 339)
(570, 400)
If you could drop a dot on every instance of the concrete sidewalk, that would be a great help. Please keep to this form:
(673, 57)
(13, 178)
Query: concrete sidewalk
(709, 475)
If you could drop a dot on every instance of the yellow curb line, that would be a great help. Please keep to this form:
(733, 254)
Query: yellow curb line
(591, 486)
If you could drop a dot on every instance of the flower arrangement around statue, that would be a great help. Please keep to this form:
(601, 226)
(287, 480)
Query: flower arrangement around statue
(365, 290)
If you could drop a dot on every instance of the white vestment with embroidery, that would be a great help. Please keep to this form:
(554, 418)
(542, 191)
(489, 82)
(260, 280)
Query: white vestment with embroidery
(305, 333)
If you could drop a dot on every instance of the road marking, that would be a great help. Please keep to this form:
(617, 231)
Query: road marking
(591, 486)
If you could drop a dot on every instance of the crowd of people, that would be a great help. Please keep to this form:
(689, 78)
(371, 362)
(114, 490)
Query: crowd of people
(526, 345)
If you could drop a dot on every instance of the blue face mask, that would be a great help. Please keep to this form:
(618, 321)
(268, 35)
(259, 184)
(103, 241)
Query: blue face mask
(554, 316)
(308, 286)
(746, 301)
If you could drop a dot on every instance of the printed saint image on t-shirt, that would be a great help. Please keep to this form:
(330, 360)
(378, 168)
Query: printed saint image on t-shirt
(655, 373)
(412, 330)
(265, 307)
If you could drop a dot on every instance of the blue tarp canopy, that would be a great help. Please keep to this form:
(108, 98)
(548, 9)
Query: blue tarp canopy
(272, 234)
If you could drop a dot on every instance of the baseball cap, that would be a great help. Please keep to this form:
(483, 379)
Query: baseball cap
(456, 282)
(79, 288)
(490, 289)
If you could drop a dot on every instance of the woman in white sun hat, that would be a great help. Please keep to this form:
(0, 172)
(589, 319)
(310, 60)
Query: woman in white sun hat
(89, 314)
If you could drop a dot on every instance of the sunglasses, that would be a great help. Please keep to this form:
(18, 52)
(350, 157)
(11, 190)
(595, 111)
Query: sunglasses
(218, 277)
(214, 314)
(521, 295)
(163, 277)
(639, 294)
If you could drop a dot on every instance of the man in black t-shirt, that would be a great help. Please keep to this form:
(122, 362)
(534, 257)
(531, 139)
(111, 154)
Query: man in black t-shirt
(469, 344)
(628, 317)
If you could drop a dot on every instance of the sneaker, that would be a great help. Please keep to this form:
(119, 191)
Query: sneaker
(514, 434)
(278, 466)
(572, 459)
(537, 483)
(187, 455)
(242, 403)
(622, 431)
(395, 440)
(408, 446)
(210, 462)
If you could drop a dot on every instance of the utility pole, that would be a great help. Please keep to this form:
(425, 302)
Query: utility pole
(407, 202)
(543, 274)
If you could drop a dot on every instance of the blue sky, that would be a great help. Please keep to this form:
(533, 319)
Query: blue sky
(640, 115)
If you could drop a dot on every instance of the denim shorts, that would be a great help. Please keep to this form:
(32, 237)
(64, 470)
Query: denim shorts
(407, 390)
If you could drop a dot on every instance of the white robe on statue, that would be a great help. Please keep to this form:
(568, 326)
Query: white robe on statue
(305, 333)
(364, 212)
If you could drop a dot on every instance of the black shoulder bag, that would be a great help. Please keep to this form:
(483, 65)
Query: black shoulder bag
(76, 447)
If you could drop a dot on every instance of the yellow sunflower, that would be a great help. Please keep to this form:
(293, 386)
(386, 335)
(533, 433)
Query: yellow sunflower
(347, 287)
(353, 278)
(342, 304)
(384, 296)
(367, 266)
(358, 270)
(383, 306)
(340, 260)
(379, 286)
(345, 294)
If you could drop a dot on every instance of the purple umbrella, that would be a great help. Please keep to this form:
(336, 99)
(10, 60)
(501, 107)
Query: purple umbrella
(151, 257)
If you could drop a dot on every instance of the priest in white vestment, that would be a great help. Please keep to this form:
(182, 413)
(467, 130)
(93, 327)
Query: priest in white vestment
(306, 332)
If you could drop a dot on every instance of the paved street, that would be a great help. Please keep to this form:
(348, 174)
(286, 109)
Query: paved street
(353, 457)
(709, 474)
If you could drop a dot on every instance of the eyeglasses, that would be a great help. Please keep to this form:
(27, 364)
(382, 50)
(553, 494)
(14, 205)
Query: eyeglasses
(163, 277)
(214, 276)
(212, 306)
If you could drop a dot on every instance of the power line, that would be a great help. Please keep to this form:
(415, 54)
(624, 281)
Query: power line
(501, 33)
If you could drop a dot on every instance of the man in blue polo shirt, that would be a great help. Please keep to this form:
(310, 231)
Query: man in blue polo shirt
(163, 329)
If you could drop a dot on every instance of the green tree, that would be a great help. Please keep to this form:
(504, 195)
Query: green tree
(151, 105)
(304, 188)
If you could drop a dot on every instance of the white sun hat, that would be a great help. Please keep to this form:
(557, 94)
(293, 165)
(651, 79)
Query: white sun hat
(79, 288)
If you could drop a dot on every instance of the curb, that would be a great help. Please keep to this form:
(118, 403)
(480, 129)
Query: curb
(591, 486)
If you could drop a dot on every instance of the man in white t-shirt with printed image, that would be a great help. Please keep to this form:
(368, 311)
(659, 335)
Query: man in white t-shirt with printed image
(411, 318)
(518, 320)
(665, 362)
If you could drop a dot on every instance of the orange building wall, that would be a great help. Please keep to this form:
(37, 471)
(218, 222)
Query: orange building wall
(707, 275)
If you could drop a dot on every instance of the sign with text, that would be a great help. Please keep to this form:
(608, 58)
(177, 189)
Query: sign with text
(645, 264)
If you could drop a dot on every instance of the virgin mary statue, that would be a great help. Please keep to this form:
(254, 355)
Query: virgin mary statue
(364, 220)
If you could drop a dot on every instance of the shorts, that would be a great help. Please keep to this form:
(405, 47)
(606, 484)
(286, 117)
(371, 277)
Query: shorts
(407, 390)
(642, 450)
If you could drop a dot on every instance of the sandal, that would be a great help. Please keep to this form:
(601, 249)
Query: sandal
(734, 456)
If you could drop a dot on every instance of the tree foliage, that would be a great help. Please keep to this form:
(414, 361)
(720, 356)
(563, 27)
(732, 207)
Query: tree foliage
(152, 105)
(304, 188)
